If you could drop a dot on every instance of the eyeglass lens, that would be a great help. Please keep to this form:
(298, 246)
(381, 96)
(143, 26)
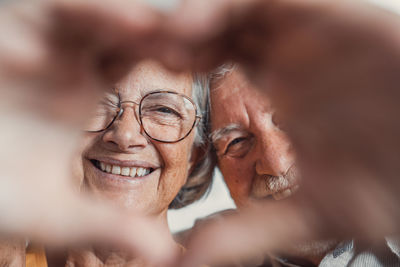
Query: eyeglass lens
(166, 117)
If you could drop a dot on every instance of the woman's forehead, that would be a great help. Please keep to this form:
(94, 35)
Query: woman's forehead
(150, 76)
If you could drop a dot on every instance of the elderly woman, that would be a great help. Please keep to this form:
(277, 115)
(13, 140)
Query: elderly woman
(145, 151)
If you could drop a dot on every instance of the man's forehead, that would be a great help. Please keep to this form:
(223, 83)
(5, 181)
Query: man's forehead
(235, 103)
(236, 89)
(227, 111)
(231, 84)
(239, 108)
(225, 92)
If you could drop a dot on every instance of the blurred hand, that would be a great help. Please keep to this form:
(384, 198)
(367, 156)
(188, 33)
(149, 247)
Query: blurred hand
(12, 253)
(56, 57)
(332, 71)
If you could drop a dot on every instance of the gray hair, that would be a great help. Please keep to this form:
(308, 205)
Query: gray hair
(220, 72)
(200, 178)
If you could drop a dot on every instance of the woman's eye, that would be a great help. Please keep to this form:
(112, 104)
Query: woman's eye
(168, 112)
(165, 110)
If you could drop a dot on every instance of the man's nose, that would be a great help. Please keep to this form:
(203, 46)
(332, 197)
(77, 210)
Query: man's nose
(275, 155)
(126, 132)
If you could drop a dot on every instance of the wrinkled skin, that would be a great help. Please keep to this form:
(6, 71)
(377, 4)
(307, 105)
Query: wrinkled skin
(334, 69)
(126, 141)
(254, 155)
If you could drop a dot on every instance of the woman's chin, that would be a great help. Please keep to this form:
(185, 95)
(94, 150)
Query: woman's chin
(131, 200)
(136, 193)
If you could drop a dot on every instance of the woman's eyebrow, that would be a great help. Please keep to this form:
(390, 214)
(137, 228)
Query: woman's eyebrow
(111, 97)
(158, 89)
(218, 134)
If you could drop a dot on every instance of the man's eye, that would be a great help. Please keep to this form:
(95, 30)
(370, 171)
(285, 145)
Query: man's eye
(236, 141)
(238, 147)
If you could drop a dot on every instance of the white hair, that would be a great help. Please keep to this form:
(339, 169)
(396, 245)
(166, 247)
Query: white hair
(200, 96)
(221, 71)
(199, 179)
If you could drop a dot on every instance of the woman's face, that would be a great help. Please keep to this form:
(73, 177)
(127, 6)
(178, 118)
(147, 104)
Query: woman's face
(124, 146)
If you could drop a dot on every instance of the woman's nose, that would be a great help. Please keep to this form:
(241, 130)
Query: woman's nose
(126, 131)
(274, 153)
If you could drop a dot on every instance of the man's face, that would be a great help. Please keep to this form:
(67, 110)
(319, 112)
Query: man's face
(254, 155)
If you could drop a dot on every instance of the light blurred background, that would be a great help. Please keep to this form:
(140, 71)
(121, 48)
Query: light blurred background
(393, 5)
(217, 199)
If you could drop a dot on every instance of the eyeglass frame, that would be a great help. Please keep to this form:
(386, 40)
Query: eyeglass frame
(121, 110)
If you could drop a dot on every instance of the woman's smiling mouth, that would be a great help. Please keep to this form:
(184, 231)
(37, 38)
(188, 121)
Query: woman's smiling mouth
(131, 171)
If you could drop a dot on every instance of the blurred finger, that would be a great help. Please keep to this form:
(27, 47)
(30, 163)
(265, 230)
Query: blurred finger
(265, 228)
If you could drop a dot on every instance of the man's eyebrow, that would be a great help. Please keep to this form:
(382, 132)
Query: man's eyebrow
(216, 135)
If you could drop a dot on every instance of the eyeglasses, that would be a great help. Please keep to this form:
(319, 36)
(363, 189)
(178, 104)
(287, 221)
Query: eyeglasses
(164, 116)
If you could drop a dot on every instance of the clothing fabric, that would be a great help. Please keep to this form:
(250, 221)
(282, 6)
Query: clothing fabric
(385, 253)
(35, 256)
(353, 254)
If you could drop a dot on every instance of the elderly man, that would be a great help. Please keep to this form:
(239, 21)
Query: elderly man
(258, 163)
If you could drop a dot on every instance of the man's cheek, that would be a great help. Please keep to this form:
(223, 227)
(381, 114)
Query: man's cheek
(233, 168)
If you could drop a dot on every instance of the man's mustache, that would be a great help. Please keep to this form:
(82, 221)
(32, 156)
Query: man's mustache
(267, 185)
(276, 184)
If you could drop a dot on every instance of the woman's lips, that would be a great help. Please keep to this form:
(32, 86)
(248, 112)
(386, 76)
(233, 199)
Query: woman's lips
(127, 169)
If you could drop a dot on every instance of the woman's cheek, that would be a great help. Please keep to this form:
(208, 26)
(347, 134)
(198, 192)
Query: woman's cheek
(77, 171)
(176, 162)
(77, 166)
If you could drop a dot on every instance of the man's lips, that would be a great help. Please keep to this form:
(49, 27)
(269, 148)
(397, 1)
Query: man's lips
(261, 190)
(285, 193)
(124, 168)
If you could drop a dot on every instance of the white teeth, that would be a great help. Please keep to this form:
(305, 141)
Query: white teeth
(116, 170)
(108, 168)
(133, 172)
(124, 171)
